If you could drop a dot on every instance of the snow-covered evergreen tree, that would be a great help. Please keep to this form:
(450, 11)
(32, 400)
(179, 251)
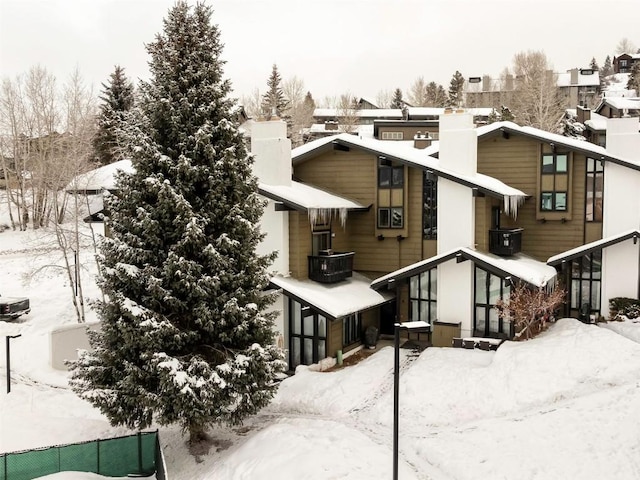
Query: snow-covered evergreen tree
(502, 115)
(594, 65)
(274, 100)
(397, 101)
(117, 99)
(456, 89)
(185, 337)
(607, 68)
(435, 95)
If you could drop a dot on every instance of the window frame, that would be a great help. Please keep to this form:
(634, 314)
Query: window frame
(554, 185)
(351, 329)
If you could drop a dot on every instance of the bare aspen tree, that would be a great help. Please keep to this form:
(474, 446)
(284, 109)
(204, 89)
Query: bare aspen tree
(536, 100)
(417, 93)
(384, 98)
(300, 112)
(252, 103)
(347, 113)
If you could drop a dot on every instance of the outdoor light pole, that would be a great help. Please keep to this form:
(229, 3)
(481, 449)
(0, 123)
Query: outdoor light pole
(417, 327)
(7, 340)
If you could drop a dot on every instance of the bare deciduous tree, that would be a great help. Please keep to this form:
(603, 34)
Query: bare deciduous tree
(417, 93)
(347, 112)
(625, 46)
(529, 309)
(536, 101)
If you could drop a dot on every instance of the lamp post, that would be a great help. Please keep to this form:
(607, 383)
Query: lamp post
(8, 343)
(417, 327)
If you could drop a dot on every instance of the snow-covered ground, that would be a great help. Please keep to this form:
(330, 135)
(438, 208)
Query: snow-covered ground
(565, 405)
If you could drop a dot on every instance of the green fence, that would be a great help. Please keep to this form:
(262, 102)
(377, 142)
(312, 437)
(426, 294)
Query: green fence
(114, 457)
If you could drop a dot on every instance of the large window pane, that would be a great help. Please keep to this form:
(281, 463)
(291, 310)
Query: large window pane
(575, 294)
(307, 323)
(481, 286)
(321, 350)
(434, 284)
(384, 176)
(546, 201)
(595, 295)
(561, 201)
(296, 318)
(495, 284)
(398, 177)
(384, 218)
(424, 285)
(414, 290)
(547, 164)
(480, 319)
(308, 351)
(322, 326)
(415, 310)
(561, 163)
(397, 217)
(494, 321)
(295, 353)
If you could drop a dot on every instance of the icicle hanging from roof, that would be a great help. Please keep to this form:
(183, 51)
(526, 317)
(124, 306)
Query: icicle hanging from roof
(324, 215)
(511, 204)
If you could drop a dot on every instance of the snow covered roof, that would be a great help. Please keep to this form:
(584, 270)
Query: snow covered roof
(437, 111)
(102, 178)
(597, 122)
(521, 266)
(335, 300)
(593, 246)
(584, 80)
(316, 202)
(620, 103)
(587, 148)
(419, 158)
(362, 113)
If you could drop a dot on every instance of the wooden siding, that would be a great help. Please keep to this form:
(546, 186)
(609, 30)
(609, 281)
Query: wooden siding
(334, 338)
(354, 175)
(443, 333)
(515, 161)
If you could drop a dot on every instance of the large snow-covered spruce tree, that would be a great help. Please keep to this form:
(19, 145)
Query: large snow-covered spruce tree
(185, 337)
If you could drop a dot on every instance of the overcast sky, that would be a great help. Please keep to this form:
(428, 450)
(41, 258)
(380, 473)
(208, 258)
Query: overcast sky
(335, 46)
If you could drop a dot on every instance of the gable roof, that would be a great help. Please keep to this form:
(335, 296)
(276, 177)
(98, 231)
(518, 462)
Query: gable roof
(520, 266)
(413, 157)
(588, 248)
(334, 300)
(99, 179)
(582, 146)
(316, 202)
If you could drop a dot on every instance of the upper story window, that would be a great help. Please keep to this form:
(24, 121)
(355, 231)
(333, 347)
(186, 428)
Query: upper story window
(429, 206)
(623, 63)
(595, 191)
(554, 182)
(392, 136)
(390, 194)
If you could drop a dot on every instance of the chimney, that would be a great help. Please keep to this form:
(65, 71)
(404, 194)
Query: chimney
(458, 142)
(486, 83)
(583, 113)
(574, 76)
(272, 151)
(508, 82)
(422, 140)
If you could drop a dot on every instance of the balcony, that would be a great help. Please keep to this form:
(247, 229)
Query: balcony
(505, 241)
(330, 266)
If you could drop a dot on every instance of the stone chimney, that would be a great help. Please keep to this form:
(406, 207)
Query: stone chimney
(422, 140)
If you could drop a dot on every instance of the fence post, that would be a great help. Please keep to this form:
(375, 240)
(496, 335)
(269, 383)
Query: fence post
(139, 452)
(98, 456)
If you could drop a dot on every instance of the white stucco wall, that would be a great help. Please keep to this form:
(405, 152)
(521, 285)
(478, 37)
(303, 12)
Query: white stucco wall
(621, 262)
(456, 221)
(272, 165)
(620, 274)
(455, 294)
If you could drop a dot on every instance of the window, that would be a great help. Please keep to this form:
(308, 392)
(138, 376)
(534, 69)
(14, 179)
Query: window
(489, 288)
(423, 296)
(554, 182)
(390, 195)
(392, 136)
(320, 238)
(595, 188)
(351, 329)
(307, 337)
(623, 63)
(586, 274)
(429, 206)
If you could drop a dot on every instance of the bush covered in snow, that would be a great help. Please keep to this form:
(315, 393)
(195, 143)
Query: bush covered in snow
(621, 308)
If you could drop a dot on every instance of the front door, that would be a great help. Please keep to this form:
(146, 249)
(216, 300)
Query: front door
(387, 318)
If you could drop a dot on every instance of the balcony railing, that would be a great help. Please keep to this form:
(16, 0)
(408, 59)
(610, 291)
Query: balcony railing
(505, 241)
(330, 267)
